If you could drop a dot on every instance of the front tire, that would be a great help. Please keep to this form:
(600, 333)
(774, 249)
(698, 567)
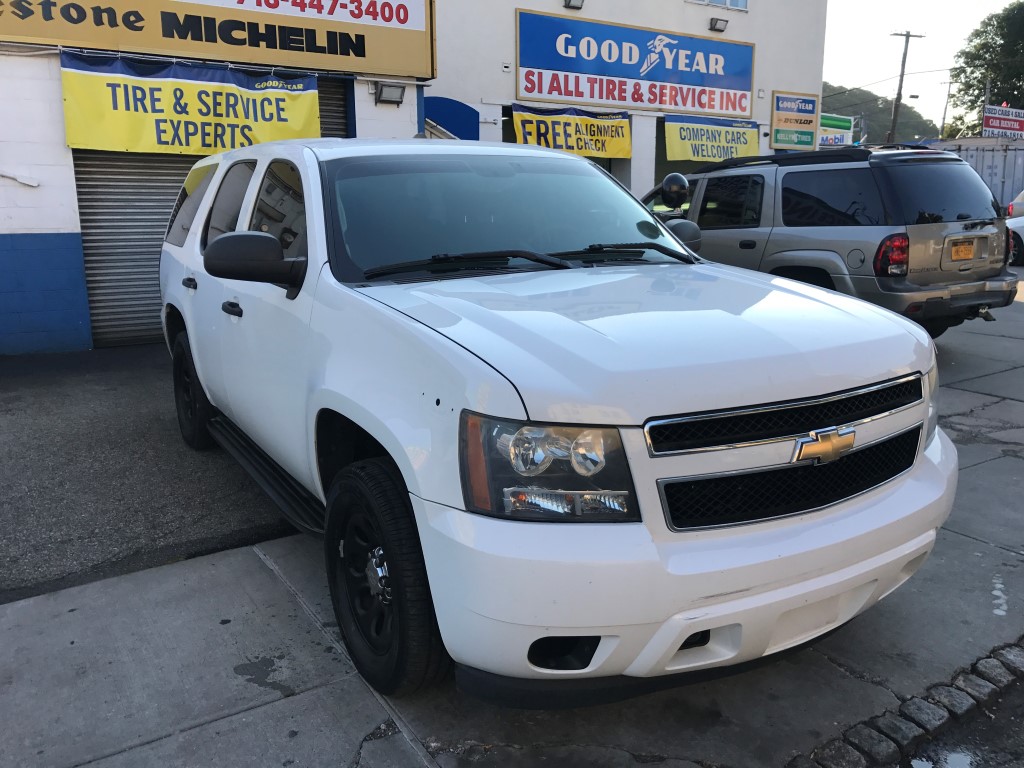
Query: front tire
(193, 407)
(378, 580)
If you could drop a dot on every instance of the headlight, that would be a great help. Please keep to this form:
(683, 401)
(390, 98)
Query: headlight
(932, 383)
(545, 473)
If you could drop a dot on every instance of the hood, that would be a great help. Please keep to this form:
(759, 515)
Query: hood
(621, 345)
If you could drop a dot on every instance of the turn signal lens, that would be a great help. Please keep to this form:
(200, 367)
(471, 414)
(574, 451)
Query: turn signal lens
(893, 256)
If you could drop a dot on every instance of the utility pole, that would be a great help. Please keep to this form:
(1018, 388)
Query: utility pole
(942, 128)
(891, 136)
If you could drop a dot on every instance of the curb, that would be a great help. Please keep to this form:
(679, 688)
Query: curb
(883, 740)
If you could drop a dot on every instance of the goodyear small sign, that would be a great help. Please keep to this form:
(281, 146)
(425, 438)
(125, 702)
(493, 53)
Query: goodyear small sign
(574, 130)
(708, 139)
(116, 105)
(577, 61)
(794, 120)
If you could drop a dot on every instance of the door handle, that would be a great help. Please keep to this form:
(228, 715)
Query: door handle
(232, 308)
(190, 283)
(748, 245)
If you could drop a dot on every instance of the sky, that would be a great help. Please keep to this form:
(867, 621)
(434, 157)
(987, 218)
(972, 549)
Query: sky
(859, 50)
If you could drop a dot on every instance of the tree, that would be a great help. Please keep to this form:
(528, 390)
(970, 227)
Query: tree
(877, 112)
(994, 53)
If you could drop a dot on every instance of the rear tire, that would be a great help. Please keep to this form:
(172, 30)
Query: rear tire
(1016, 250)
(193, 407)
(378, 581)
(935, 329)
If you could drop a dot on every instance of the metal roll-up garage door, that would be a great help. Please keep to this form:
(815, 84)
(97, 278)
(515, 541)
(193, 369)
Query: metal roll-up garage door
(124, 201)
(333, 106)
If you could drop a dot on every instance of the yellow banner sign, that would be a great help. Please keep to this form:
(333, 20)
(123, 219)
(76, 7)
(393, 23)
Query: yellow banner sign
(574, 130)
(708, 139)
(111, 104)
(390, 38)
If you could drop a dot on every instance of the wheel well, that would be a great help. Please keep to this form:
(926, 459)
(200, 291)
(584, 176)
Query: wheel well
(339, 442)
(809, 275)
(174, 324)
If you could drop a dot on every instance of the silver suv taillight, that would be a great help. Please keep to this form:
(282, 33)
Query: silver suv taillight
(893, 256)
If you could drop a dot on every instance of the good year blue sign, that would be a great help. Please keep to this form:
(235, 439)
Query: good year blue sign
(569, 60)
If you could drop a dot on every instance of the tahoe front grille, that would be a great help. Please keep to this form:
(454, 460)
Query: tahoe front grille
(780, 420)
(763, 495)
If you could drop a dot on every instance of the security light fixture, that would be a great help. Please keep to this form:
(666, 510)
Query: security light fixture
(718, 25)
(574, 4)
(389, 93)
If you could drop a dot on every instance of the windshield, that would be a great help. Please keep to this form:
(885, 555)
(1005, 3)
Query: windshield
(397, 209)
(936, 193)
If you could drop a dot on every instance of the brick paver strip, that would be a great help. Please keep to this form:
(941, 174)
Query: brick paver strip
(900, 730)
(981, 690)
(928, 716)
(836, 754)
(953, 699)
(992, 670)
(1012, 657)
(873, 744)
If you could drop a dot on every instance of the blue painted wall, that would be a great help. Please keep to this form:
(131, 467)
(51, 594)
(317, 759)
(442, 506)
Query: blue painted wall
(44, 306)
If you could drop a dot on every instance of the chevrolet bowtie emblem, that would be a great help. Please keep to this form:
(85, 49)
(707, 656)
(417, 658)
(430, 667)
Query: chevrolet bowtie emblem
(824, 445)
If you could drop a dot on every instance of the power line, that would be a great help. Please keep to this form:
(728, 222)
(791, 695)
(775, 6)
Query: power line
(885, 80)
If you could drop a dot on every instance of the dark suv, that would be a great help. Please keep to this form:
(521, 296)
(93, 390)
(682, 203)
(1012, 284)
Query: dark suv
(915, 231)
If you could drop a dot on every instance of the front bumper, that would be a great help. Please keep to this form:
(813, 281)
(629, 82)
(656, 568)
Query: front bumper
(944, 301)
(498, 586)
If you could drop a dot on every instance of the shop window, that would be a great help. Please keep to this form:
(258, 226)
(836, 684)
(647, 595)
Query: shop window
(732, 201)
(281, 209)
(227, 205)
(189, 198)
(843, 198)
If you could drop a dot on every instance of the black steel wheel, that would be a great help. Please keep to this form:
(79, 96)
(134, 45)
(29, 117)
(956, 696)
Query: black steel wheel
(378, 580)
(190, 401)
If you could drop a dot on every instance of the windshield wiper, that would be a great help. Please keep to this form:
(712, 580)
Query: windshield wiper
(978, 224)
(597, 248)
(441, 259)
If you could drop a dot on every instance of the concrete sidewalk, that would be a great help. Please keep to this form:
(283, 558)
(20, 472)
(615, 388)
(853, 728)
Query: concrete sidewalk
(233, 659)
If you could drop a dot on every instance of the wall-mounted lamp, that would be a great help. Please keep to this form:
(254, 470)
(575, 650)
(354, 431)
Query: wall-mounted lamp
(574, 4)
(389, 93)
(718, 25)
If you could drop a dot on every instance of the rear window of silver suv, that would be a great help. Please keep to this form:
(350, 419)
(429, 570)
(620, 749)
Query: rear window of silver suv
(939, 192)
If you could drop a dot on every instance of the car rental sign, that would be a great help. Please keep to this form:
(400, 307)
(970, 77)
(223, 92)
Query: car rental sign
(379, 36)
(572, 61)
(1003, 122)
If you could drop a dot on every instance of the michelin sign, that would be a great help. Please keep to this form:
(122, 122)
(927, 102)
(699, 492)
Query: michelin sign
(568, 60)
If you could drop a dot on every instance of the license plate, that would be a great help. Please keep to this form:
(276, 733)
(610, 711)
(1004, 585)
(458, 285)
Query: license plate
(963, 250)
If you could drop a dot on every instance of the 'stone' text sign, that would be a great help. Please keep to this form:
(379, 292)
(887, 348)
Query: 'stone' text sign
(574, 130)
(573, 61)
(391, 38)
(116, 106)
(709, 139)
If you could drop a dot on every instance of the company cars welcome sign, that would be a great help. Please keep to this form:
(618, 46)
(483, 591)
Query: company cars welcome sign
(569, 60)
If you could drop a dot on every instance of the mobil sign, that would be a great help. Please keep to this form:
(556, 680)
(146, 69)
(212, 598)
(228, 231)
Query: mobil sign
(568, 60)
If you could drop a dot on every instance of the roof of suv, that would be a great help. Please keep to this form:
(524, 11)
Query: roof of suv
(877, 156)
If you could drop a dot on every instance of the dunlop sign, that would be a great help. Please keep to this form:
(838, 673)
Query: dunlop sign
(574, 130)
(392, 38)
(709, 139)
(179, 109)
(794, 120)
(572, 61)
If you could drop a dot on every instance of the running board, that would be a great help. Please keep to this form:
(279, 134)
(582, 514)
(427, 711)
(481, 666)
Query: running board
(301, 508)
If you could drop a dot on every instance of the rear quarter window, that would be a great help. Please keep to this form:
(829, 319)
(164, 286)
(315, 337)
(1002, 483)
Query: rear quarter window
(831, 198)
(939, 192)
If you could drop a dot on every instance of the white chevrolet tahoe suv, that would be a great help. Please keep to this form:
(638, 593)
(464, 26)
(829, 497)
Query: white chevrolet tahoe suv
(539, 436)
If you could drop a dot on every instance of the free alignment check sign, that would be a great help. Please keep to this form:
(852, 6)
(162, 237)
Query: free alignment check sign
(393, 38)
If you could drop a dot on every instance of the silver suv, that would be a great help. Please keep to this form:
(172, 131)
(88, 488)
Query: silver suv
(915, 231)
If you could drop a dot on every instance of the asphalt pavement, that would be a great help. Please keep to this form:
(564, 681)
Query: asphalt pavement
(233, 658)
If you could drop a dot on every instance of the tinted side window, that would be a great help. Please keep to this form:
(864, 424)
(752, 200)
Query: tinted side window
(227, 205)
(839, 198)
(191, 194)
(731, 201)
(281, 210)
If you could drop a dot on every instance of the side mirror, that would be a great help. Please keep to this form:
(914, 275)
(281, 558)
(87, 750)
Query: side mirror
(253, 256)
(686, 232)
(675, 189)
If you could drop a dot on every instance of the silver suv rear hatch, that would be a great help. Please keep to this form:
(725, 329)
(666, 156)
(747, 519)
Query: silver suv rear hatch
(952, 219)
